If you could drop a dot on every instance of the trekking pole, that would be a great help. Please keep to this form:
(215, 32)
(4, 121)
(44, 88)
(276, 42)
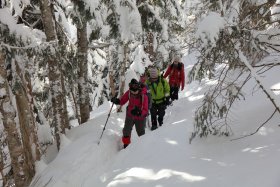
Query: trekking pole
(105, 124)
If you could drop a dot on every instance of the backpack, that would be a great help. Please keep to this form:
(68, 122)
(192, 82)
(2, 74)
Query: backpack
(141, 96)
(161, 80)
(148, 93)
(179, 66)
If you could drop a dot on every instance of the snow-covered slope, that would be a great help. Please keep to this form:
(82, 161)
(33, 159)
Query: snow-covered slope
(164, 157)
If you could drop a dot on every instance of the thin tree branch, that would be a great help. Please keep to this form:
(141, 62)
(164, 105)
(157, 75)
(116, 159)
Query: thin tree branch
(257, 128)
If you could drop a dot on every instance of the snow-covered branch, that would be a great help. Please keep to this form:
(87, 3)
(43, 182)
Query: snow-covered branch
(266, 90)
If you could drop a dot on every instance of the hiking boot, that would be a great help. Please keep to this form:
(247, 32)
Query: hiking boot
(126, 141)
(154, 128)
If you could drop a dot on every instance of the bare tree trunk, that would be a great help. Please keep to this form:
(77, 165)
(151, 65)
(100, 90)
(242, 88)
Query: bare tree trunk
(112, 84)
(18, 160)
(26, 126)
(34, 130)
(26, 120)
(123, 66)
(65, 118)
(53, 72)
(77, 111)
(83, 79)
(3, 158)
(61, 41)
(149, 47)
(111, 76)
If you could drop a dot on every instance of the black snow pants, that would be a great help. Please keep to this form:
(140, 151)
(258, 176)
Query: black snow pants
(157, 114)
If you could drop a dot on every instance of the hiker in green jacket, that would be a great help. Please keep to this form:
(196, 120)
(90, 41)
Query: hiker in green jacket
(160, 91)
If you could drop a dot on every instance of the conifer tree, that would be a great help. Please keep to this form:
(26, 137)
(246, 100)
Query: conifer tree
(54, 70)
(220, 58)
(19, 163)
(163, 25)
(22, 137)
(80, 19)
(125, 32)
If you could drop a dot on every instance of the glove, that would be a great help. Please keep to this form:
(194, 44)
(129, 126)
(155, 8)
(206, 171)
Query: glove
(167, 102)
(136, 111)
(115, 100)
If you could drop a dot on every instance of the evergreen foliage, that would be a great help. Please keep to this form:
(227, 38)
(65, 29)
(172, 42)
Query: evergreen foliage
(220, 60)
(119, 34)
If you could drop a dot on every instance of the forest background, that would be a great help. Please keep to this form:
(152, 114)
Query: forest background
(59, 60)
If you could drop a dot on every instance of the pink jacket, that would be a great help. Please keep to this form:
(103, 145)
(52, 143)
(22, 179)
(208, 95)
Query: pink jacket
(139, 100)
(176, 76)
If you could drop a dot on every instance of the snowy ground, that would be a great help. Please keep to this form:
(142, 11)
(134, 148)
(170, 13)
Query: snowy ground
(164, 157)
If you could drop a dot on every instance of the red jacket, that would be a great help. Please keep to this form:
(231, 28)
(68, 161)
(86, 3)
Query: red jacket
(176, 75)
(140, 100)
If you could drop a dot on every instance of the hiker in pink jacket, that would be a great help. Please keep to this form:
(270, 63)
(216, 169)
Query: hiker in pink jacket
(176, 75)
(136, 111)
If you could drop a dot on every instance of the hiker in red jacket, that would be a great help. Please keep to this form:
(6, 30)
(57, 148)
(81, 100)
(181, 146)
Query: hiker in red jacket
(176, 74)
(136, 111)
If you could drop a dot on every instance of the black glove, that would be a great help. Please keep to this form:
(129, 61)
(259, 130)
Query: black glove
(136, 111)
(115, 100)
(167, 101)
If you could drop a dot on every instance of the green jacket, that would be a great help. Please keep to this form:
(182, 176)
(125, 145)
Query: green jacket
(159, 90)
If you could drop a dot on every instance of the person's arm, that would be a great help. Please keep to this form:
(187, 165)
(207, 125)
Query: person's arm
(166, 88)
(182, 77)
(124, 98)
(145, 105)
(167, 72)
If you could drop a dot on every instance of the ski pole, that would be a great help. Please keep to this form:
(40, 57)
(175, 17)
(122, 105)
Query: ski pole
(105, 124)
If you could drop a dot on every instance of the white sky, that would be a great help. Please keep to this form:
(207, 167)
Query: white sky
(164, 157)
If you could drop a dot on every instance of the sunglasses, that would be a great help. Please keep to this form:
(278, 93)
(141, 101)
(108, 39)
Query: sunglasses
(134, 87)
(134, 91)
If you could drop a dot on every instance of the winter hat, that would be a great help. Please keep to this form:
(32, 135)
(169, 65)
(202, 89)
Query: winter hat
(153, 73)
(177, 59)
(134, 85)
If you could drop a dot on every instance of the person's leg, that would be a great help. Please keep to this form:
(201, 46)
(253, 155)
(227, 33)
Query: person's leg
(176, 90)
(154, 117)
(128, 125)
(161, 113)
(140, 127)
(172, 96)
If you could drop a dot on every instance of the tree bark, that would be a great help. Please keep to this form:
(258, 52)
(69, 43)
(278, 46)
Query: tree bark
(77, 111)
(149, 47)
(111, 76)
(27, 122)
(34, 130)
(54, 72)
(112, 84)
(65, 118)
(62, 42)
(18, 161)
(122, 76)
(83, 68)
(3, 159)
